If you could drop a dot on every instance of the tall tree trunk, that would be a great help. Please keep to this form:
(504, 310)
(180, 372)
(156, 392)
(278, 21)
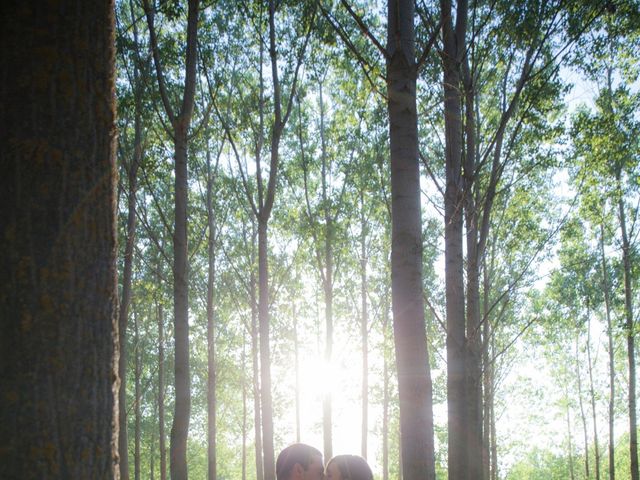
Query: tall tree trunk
(364, 329)
(400, 468)
(592, 395)
(161, 434)
(124, 304)
(629, 327)
(324, 251)
(385, 398)
(263, 213)
(327, 410)
(569, 433)
(494, 435)
(612, 371)
(458, 421)
(138, 396)
(265, 354)
(490, 436)
(152, 453)
(297, 367)
(211, 327)
(180, 124)
(59, 310)
(583, 416)
(255, 351)
(487, 365)
(473, 354)
(132, 177)
(488, 400)
(244, 407)
(414, 376)
(324, 258)
(180, 426)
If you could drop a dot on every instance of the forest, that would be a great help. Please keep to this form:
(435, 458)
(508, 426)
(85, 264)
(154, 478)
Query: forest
(405, 230)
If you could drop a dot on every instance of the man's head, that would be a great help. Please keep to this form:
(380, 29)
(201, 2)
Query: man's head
(299, 462)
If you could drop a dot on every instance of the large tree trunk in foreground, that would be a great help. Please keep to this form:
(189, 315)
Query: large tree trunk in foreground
(414, 377)
(59, 332)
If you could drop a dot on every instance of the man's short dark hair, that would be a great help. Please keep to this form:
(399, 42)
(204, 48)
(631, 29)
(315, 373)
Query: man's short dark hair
(297, 453)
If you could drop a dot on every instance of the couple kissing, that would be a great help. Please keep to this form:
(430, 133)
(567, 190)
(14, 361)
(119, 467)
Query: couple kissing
(304, 462)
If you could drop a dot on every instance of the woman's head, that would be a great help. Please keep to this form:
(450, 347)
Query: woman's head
(348, 467)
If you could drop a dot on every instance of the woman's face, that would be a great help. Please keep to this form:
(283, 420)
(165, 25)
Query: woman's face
(333, 472)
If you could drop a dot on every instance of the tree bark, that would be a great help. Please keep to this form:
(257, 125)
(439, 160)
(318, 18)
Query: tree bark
(180, 124)
(385, 401)
(125, 299)
(569, 433)
(327, 280)
(244, 408)
(612, 371)
(297, 367)
(324, 252)
(583, 416)
(161, 433)
(211, 326)
(473, 357)
(487, 396)
(265, 354)
(458, 421)
(364, 329)
(414, 376)
(180, 426)
(138, 397)
(152, 454)
(263, 213)
(255, 352)
(592, 395)
(59, 329)
(629, 327)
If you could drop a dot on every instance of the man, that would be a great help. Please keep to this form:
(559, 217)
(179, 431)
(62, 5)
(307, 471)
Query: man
(300, 462)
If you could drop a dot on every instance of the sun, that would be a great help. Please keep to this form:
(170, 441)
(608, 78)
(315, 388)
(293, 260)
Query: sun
(341, 379)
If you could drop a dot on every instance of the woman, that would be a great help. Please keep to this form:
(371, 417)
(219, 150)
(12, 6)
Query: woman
(348, 467)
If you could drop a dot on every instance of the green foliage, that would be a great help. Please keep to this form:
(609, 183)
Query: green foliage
(540, 465)
(333, 184)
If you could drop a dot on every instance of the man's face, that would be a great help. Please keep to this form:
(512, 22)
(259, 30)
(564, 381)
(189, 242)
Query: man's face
(315, 470)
